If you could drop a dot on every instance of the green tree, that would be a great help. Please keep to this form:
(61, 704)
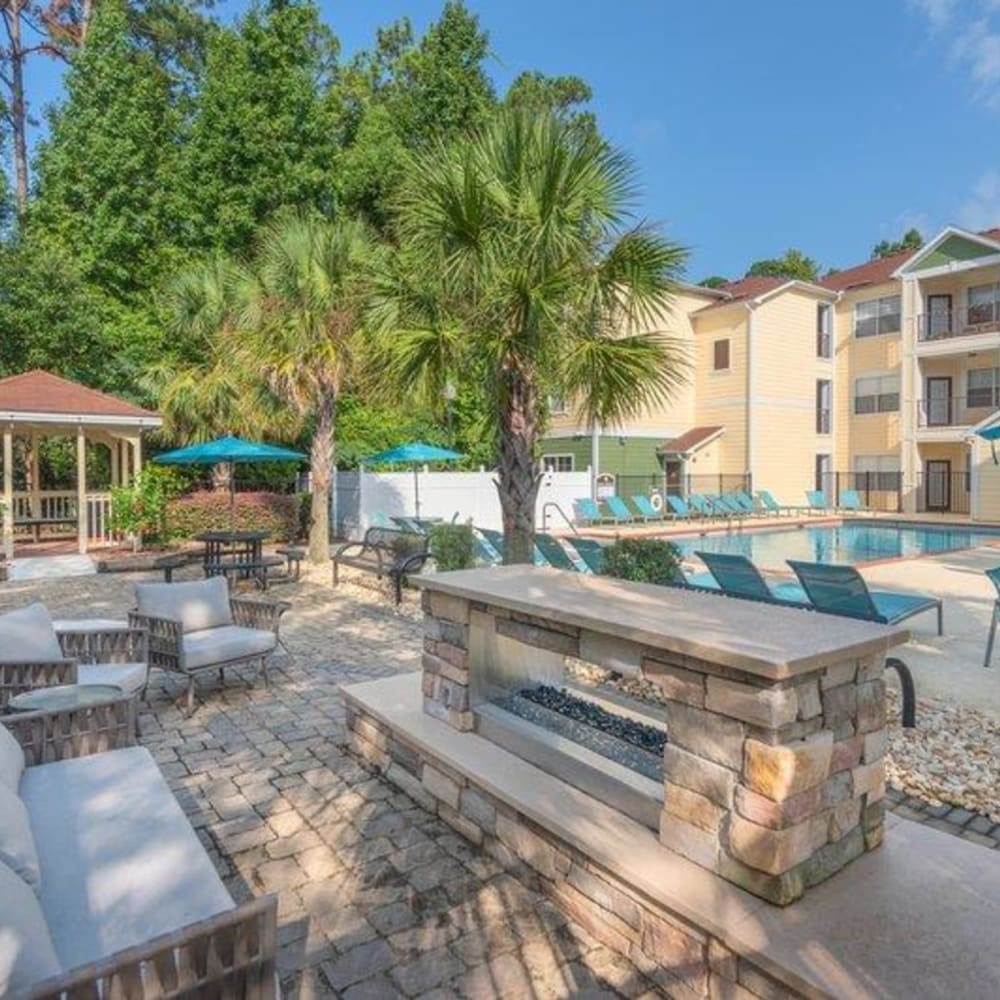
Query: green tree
(792, 264)
(713, 281)
(262, 138)
(516, 260)
(912, 239)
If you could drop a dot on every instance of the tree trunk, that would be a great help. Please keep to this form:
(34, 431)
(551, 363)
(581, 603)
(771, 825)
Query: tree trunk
(518, 485)
(18, 111)
(320, 466)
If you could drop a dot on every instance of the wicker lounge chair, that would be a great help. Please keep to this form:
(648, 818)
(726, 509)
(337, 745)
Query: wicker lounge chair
(841, 590)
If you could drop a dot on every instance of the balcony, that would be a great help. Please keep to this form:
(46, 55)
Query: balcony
(947, 324)
(957, 411)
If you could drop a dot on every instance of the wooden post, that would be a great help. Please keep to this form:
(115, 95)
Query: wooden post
(81, 489)
(34, 485)
(114, 446)
(137, 455)
(8, 492)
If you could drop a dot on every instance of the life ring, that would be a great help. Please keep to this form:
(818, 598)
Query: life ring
(656, 502)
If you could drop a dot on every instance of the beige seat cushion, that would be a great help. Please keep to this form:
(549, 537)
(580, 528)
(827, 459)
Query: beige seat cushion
(120, 862)
(196, 604)
(220, 645)
(26, 951)
(130, 677)
(27, 635)
(11, 759)
(17, 845)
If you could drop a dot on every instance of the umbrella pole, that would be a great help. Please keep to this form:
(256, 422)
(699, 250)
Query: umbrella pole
(416, 490)
(232, 496)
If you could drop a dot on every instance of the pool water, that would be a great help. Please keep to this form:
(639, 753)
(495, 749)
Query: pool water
(852, 542)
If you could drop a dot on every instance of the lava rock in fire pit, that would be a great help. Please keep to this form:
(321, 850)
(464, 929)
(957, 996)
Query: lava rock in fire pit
(644, 737)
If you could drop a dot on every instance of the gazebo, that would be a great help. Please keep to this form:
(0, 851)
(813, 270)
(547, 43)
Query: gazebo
(37, 405)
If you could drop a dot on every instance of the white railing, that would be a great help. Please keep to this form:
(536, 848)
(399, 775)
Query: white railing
(56, 510)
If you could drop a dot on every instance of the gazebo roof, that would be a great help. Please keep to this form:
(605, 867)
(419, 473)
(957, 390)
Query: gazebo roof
(39, 397)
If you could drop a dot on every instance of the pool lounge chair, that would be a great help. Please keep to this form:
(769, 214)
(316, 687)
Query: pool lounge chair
(590, 552)
(850, 500)
(679, 508)
(817, 501)
(646, 509)
(738, 577)
(841, 590)
(771, 506)
(619, 510)
(747, 502)
(496, 542)
(410, 524)
(485, 553)
(587, 511)
(703, 506)
(555, 555)
(726, 506)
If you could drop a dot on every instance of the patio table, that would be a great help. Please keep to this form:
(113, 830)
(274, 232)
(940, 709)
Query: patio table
(220, 545)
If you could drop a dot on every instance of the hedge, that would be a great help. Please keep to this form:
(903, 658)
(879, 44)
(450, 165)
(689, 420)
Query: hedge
(208, 510)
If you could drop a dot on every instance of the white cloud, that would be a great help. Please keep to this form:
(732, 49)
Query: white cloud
(938, 12)
(981, 210)
(978, 48)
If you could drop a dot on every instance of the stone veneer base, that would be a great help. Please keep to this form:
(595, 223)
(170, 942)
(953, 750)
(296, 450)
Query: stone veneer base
(916, 918)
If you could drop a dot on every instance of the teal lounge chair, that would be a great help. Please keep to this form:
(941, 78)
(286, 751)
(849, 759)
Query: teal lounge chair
(587, 511)
(738, 577)
(555, 555)
(493, 547)
(495, 539)
(484, 552)
(701, 505)
(726, 506)
(771, 506)
(741, 503)
(619, 510)
(410, 524)
(850, 500)
(747, 502)
(993, 575)
(679, 507)
(817, 501)
(590, 552)
(646, 509)
(841, 590)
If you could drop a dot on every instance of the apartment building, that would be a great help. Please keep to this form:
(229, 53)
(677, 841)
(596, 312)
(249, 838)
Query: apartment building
(873, 378)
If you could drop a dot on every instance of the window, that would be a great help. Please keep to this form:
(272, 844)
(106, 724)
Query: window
(983, 386)
(877, 316)
(876, 472)
(982, 304)
(557, 404)
(876, 394)
(824, 327)
(823, 395)
(557, 463)
(823, 475)
(720, 360)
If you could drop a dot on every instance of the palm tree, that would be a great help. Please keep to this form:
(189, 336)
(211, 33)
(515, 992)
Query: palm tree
(270, 344)
(300, 313)
(519, 258)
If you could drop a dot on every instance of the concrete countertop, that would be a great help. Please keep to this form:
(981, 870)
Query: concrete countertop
(762, 639)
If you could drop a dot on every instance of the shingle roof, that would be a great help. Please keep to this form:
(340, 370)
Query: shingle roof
(42, 392)
(749, 288)
(690, 440)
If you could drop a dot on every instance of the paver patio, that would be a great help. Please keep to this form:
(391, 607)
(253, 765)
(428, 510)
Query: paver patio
(377, 897)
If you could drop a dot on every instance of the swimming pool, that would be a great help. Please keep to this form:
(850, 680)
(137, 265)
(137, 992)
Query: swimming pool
(853, 542)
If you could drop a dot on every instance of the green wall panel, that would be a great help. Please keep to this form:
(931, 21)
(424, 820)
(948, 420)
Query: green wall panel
(618, 456)
(955, 248)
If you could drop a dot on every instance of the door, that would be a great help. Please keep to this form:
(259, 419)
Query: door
(938, 316)
(937, 473)
(939, 401)
(672, 475)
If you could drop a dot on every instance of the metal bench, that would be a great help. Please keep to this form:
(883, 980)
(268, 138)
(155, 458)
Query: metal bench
(293, 560)
(384, 552)
(169, 563)
(235, 569)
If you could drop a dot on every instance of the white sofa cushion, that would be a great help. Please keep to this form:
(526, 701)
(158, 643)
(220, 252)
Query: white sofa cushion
(130, 677)
(196, 604)
(120, 862)
(11, 759)
(27, 634)
(26, 952)
(219, 645)
(17, 846)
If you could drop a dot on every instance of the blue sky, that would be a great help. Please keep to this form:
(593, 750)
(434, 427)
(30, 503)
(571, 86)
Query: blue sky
(763, 125)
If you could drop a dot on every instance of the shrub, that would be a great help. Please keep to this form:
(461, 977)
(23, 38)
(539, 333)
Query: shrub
(208, 510)
(139, 509)
(453, 546)
(643, 560)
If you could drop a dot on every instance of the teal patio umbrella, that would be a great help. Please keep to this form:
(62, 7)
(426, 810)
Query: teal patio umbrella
(228, 451)
(416, 454)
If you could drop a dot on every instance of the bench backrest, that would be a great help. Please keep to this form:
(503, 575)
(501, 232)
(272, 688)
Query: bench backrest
(399, 544)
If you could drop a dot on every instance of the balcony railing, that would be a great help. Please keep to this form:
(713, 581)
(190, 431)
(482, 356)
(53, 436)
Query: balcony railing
(957, 411)
(943, 324)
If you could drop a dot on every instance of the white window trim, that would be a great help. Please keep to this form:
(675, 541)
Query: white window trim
(560, 454)
(877, 333)
(898, 375)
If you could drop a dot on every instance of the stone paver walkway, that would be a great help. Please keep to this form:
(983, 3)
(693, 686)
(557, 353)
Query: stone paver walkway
(377, 898)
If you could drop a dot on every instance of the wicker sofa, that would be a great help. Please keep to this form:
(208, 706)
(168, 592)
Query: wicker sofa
(196, 626)
(105, 889)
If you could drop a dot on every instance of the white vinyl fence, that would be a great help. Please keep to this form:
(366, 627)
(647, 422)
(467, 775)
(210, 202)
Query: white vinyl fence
(360, 496)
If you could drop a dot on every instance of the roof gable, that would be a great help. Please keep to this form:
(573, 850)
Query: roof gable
(952, 246)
